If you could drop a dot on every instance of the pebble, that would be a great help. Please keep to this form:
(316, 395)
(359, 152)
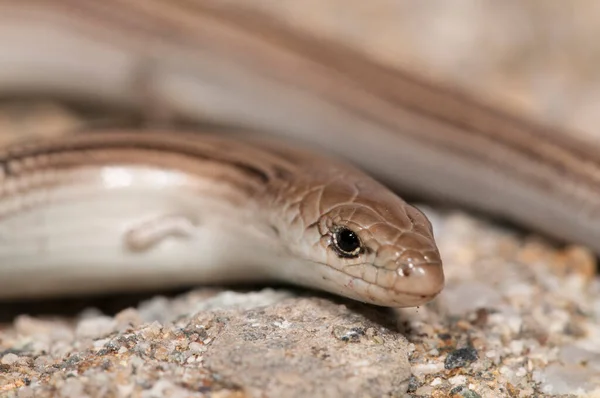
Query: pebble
(425, 369)
(461, 358)
(9, 359)
(94, 327)
(457, 380)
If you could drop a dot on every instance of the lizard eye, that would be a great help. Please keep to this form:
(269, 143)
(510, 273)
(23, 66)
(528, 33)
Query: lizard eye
(346, 242)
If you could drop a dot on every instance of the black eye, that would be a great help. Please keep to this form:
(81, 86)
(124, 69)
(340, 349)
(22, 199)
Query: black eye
(346, 242)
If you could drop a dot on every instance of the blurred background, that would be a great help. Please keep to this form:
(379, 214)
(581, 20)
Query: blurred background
(537, 58)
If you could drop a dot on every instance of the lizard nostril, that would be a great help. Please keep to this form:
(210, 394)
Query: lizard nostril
(404, 271)
(410, 259)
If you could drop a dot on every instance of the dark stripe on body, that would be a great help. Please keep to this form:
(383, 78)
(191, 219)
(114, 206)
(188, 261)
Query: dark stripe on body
(43, 149)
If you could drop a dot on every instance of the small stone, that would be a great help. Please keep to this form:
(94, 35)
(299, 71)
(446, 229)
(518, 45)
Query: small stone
(424, 391)
(413, 384)
(151, 331)
(427, 369)
(351, 334)
(436, 382)
(196, 347)
(464, 392)
(458, 380)
(95, 327)
(516, 347)
(129, 317)
(9, 359)
(461, 358)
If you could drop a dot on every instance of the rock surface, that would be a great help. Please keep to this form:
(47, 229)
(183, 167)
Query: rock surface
(238, 345)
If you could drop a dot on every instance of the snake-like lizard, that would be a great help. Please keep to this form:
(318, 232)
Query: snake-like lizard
(115, 209)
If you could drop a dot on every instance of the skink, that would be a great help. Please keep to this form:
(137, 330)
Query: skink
(109, 210)
(208, 61)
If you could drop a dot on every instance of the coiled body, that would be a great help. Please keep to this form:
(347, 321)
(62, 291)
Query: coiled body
(113, 210)
(205, 60)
